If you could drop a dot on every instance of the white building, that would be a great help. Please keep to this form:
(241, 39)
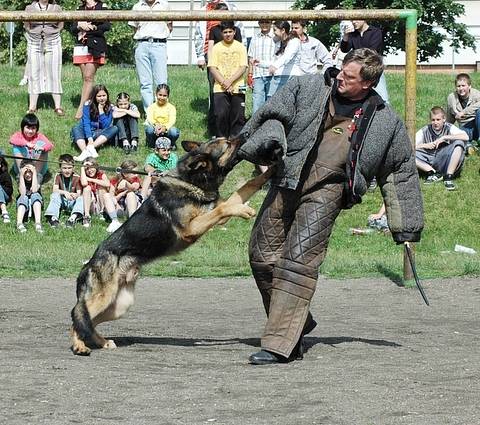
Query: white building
(181, 49)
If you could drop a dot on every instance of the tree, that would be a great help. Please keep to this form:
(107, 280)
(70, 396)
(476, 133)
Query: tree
(119, 38)
(433, 15)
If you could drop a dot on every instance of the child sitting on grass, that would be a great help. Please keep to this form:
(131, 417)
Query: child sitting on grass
(125, 117)
(29, 200)
(6, 188)
(126, 188)
(96, 195)
(162, 159)
(66, 194)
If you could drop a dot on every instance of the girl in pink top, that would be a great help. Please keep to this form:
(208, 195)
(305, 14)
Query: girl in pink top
(29, 143)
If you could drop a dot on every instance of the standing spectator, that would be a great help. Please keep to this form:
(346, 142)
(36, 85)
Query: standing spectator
(359, 35)
(463, 105)
(44, 56)
(66, 194)
(125, 189)
(228, 63)
(29, 200)
(96, 127)
(90, 50)
(202, 43)
(162, 159)
(29, 143)
(161, 117)
(286, 62)
(440, 149)
(261, 49)
(126, 115)
(312, 50)
(151, 50)
(6, 189)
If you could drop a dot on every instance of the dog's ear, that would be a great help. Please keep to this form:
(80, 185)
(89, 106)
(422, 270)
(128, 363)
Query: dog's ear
(200, 162)
(189, 145)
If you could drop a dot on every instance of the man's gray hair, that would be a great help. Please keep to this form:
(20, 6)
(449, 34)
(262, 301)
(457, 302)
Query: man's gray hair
(370, 60)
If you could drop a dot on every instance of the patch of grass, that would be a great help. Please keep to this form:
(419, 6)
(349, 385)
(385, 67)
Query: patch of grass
(451, 217)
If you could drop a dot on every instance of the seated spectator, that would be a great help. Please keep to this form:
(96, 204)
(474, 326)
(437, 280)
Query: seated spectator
(125, 118)
(440, 149)
(228, 63)
(161, 117)
(66, 194)
(96, 126)
(6, 189)
(463, 106)
(96, 194)
(29, 143)
(125, 189)
(378, 220)
(29, 200)
(163, 159)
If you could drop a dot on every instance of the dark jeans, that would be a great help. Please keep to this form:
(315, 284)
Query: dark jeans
(127, 128)
(472, 128)
(229, 113)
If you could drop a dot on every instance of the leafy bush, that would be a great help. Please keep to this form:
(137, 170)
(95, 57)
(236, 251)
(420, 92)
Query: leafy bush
(119, 38)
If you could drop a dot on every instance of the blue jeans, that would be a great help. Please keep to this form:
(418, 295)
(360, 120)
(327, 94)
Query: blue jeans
(28, 201)
(58, 203)
(77, 133)
(261, 86)
(472, 128)
(4, 198)
(276, 83)
(151, 64)
(173, 134)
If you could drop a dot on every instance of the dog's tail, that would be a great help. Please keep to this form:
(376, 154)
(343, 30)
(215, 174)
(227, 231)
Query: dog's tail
(82, 322)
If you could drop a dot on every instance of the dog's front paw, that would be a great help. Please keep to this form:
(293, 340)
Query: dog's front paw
(245, 211)
(110, 344)
(81, 350)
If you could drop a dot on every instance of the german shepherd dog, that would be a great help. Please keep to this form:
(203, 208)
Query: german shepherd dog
(184, 204)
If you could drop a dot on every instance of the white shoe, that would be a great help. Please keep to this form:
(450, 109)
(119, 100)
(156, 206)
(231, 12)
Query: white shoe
(114, 225)
(38, 228)
(93, 152)
(83, 155)
(21, 228)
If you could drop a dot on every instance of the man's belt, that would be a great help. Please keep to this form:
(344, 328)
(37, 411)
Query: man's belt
(153, 40)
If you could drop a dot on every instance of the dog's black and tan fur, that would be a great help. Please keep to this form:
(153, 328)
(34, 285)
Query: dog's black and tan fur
(184, 204)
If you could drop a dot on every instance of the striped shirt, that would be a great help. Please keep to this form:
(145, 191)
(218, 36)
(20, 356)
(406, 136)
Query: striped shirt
(262, 48)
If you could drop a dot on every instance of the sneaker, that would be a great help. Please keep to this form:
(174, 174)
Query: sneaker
(114, 225)
(86, 222)
(126, 147)
(70, 224)
(38, 228)
(372, 185)
(134, 146)
(92, 151)
(433, 178)
(83, 155)
(21, 228)
(53, 221)
(471, 149)
(6, 218)
(449, 184)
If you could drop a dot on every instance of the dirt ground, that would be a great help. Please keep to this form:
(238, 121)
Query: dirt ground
(378, 356)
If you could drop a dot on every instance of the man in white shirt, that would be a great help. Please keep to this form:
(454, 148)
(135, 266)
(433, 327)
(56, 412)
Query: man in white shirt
(151, 50)
(313, 52)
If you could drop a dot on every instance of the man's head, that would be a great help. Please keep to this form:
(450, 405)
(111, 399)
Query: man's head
(437, 118)
(66, 163)
(228, 31)
(298, 27)
(361, 71)
(463, 84)
(163, 147)
(265, 25)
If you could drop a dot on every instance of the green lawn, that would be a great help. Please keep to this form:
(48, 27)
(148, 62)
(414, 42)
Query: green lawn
(451, 217)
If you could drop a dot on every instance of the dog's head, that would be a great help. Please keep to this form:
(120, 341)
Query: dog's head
(207, 164)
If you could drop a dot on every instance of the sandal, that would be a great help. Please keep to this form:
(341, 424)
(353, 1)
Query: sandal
(59, 111)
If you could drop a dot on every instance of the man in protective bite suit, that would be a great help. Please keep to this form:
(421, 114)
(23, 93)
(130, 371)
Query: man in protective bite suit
(329, 136)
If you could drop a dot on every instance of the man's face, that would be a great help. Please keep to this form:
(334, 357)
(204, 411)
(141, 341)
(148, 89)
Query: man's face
(163, 153)
(265, 26)
(350, 83)
(228, 35)
(358, 25)
(66, 169)
(463, 88)
(437, 120)
(298, 29)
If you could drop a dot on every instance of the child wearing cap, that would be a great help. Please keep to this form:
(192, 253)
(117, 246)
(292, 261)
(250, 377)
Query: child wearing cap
(162, 159)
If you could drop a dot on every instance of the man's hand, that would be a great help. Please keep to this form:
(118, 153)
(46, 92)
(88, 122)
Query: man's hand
(459, 115)
(201, 64)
